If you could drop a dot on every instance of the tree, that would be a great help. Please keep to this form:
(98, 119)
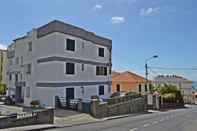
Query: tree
(3, 89)
(170, 93)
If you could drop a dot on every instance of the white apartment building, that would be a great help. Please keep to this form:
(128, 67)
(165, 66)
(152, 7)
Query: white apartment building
(185, 85)
(61, 60)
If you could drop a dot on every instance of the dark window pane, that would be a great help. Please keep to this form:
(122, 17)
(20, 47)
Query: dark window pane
(82, 67)
(118, 88)
(140, 88)
(30, 46)
(101, 52)
(97, 70)
(70, 68)
(146, 89)
(70, 45)
(101, 90)
(10, 76)
(105, 71)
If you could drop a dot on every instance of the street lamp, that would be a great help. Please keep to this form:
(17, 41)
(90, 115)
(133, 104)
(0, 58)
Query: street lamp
(146, 66)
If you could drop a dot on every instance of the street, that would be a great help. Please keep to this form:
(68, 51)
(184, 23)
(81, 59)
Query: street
(174, 120)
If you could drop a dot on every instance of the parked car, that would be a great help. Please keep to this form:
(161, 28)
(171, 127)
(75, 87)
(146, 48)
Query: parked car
(118, 94)
(10, 100)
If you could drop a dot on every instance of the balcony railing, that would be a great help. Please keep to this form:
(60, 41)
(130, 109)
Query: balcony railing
(11, 54)
(20, 83)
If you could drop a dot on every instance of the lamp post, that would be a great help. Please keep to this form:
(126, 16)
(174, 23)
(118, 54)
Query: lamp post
(146, 66)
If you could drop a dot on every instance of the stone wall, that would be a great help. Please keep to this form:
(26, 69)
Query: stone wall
(133, 105)
(40, 117)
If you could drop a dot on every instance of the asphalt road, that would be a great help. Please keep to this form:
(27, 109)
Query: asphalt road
(175, 120)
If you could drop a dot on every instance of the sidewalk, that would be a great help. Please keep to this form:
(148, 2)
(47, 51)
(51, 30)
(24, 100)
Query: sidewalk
(75, 120)
(31, 128)
(69, 121)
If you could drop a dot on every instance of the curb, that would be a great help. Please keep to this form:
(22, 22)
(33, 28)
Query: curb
(102, 120)
(44, 128)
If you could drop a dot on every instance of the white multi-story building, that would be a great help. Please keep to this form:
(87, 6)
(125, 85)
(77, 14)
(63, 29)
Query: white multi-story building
(185, 85)
(59, 59)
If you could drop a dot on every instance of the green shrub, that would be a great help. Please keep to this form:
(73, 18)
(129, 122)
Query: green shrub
(133, 94)
(3, 89)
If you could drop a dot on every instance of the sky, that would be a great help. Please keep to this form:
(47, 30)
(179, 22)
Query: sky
(139, 29)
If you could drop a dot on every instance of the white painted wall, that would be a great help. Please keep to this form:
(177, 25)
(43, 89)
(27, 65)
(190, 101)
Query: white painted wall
(54, 45)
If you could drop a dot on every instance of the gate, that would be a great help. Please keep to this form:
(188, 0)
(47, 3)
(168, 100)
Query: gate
(86, 107)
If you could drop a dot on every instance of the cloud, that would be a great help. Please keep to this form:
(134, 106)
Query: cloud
(98, 7)
(3, 47)
(117, 19)
(149, 11)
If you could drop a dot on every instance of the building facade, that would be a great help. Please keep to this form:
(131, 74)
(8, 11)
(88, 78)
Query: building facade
(185, 85)
(3, 63)
(61, 60)
(129, 82)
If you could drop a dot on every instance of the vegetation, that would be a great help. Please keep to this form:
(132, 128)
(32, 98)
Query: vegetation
(3, 89)
(133, 94)
(169, 93)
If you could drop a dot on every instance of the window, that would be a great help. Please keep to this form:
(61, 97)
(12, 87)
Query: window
(16, 77)
(28, 92)
(101, 52)
(70, 45)
(82, 67)
(10, 76)
(21, 60)
(118, 88)
(83, 45)
(17, 61)
(101, 71)
(28, 68)
(101, 90)
(21, 75)
(146, 88)
(30, 46)
(140, 88)
(70, 68)
(82, 90)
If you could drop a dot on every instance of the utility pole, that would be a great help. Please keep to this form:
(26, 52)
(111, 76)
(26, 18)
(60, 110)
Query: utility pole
(146, 71)
(146, 67)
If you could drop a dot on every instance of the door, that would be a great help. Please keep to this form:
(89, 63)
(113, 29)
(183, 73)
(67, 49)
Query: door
(70, 94)
(18, 94)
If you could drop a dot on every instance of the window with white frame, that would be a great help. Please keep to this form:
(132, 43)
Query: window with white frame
(101, 71)
(70, 68)
(70, 45)
(28, 69)
(27, 91)
(101, 90)
(101, 52)
(17, 60)
(82, 67)
(30, 46)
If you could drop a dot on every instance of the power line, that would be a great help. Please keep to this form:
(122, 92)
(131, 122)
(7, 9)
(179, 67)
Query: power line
(172, 68)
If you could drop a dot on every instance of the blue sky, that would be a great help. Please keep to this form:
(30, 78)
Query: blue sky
(138, 28)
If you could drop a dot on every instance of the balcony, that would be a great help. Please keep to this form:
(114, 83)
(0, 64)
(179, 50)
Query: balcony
(11, 54)
(20, 84)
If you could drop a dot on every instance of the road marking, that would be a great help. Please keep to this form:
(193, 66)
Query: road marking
(146, 125)
(155, 122)
(134, 129)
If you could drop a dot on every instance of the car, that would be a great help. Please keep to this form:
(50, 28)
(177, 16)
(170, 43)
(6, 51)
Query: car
(118, 94)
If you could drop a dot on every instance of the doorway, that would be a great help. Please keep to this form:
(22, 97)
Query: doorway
(70, 94)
